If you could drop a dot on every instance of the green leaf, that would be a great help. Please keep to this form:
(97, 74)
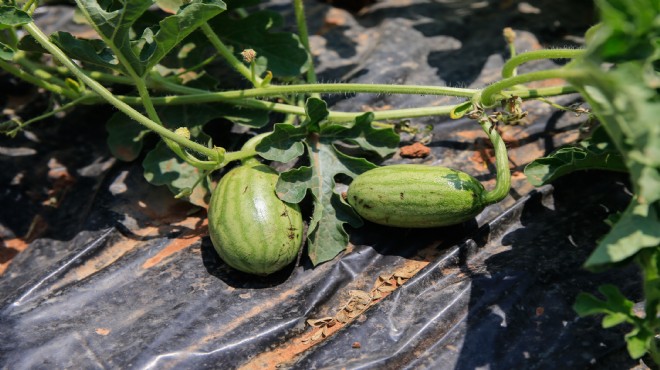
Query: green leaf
(614, 319)
(6, 52)
(460, 110)
(90, 51)
(326, 236)
(125, 137)
(638, 228)
(9, 128)
(624, 98)
(292, 185)
(173, 29)
(29, 43)
(253, 118)
(285, 55)
(637, 345)
(639, 340)
(284, 144)
(597, 152)
(316, 111)
(614, 302)
(627, 32)
(163, 167)
(382, 141)
(114, 20)
(195, 116)
(616, 307)
(12, 17)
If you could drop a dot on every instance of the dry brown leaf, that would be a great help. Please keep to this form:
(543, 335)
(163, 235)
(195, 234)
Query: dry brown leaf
(381, 280)
(319, 322)
(404, 274)
(387, 288)
(342, 317)
(360, 296)
(317, 336)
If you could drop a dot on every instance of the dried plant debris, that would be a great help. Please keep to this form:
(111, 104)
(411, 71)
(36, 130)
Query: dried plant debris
(358, 302)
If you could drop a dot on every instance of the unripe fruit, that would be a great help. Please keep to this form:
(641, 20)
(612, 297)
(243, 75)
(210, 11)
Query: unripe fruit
(416, 196)
(251, 228)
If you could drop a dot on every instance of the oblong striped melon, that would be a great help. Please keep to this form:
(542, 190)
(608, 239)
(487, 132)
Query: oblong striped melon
(416, 196)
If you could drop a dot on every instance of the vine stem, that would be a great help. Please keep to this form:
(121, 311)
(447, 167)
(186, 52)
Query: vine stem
(508, 70)
(51, 112)
(175, 147)
(41, 73)
(352, 88)
(299, 10)
(139, 81)
(228, 55)
(238, 97)
(28, 5)
(57, 89)
(204, 96)
(250, 146)
(199, 96)
(489, 95)
(503, 177)
(648, 263)
(33, 30)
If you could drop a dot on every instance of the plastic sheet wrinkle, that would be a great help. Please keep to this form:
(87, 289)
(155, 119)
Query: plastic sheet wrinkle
(85, 250)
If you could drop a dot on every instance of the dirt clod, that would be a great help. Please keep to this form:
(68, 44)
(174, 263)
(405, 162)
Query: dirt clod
(416, 150)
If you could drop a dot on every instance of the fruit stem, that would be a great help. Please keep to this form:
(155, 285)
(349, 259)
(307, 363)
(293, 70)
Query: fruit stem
(250, 147)
(503, 178)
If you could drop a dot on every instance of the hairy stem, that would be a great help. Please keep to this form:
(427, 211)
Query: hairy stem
(304, 39)
(291, 109)
(491, 94)
(146, 100)
(227, 54)
(29, 5)
(542, 92)
(503, 177)
(205, 96)
(57, 89)
(277, 90)
(250, 146)
(37, 70)
(51, 112)
(508, 70)
(33, 30)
